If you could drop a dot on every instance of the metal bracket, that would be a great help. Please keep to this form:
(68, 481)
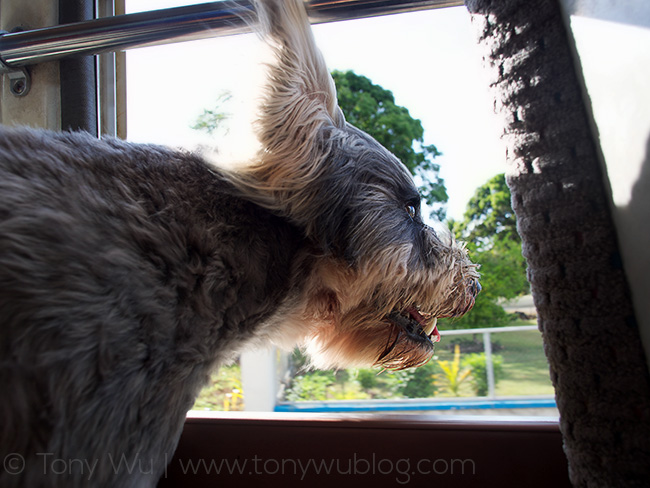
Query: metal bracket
(19, 80)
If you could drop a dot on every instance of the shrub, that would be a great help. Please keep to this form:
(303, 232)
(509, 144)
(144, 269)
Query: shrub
(310, 386)
(382, 384)
(477, 364)
(223, 392)
(420, 382)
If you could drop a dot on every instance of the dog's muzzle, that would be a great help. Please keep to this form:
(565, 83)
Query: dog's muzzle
(418, 327)
(422, 327)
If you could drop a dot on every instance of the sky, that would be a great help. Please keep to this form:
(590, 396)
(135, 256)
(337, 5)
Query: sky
(428, 59)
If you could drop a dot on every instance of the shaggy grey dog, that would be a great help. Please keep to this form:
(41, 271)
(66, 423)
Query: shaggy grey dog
(129, 272)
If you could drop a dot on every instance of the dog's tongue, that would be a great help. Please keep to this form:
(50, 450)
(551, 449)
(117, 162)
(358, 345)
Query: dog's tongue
(434, 335)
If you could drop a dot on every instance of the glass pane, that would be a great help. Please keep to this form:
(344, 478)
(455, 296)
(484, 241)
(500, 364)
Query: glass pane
(193, 94)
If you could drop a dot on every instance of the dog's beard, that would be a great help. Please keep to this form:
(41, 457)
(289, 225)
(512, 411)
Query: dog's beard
(363, 337)
(383, 313)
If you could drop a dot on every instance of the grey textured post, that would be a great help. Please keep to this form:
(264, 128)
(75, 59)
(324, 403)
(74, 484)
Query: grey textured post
(561, 199)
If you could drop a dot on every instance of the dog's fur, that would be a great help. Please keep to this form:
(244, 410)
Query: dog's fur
(129, 272)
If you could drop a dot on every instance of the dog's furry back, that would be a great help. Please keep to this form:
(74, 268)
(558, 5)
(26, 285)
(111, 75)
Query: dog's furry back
(125, 272)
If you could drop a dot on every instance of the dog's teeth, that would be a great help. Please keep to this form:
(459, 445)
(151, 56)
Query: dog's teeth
(431, 325)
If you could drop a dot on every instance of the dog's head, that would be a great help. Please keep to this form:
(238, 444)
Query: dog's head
(385, 277)
(381, 276)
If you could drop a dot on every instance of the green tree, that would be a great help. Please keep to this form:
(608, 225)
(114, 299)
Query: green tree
(372, 109)
(490, 230)
(210, 120)
(489, 219)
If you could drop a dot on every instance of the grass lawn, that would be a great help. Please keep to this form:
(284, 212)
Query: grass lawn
(525, 369)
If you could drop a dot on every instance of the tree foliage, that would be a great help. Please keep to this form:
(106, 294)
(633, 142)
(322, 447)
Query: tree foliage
(489, 228)
(372, 109)
(210, 120)
(489, 219)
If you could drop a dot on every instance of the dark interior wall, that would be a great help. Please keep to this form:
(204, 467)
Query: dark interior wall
(378, 452)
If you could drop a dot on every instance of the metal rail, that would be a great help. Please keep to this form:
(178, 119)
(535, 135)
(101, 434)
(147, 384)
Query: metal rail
(19, 49)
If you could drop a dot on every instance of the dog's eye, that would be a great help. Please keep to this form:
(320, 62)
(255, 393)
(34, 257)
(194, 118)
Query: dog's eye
(410, 209)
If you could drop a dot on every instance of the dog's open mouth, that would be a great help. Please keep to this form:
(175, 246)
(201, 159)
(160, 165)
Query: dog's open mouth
(416, 323)
(411, 338)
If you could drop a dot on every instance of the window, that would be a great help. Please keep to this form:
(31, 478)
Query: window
(441, 86)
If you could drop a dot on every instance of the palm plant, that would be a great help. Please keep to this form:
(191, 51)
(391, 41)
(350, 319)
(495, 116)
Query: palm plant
(452, 377)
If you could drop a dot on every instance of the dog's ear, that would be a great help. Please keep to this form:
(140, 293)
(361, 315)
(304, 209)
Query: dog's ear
(299, 83)
(299, 125)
